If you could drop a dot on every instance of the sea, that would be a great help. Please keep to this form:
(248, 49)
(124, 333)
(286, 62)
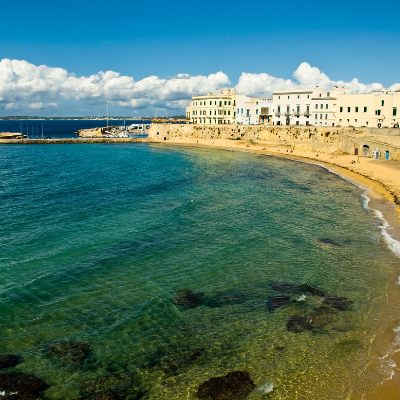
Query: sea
(60, 129)
(165, 263)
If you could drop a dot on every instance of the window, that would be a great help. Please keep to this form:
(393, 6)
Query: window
(308, 96)
(224, 112)
(298, 96)
(383, 103)
(256, 103)
(201, 103)
(355, 120)
(248, 112)
(320, 117)
(238, 111)
(326, 106)
(288, 109)
(348, 109)
(322, 106)
(210, 113)
(215, 103)
(377, 112)
(365, 109)
(257, 112)
(308, 109)
(229, 103)
(220, 103)
(279, 97)
(241, 111)
(229, 113)
(288, 97)
(210, 105)
(394, 112)
(316, 116)
(356, 109)
(326, 116)
(316, 106)
(320, 95)
(279, 109)
(224, 103)
(328, 94)
(298, 110)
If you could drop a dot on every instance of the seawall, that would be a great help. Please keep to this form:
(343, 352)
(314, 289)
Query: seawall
(71, 141)
(367, 141)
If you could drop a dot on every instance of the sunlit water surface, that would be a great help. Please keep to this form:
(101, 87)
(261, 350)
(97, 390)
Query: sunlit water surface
(95, 241)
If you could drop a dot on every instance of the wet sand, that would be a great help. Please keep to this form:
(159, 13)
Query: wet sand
(382, 180)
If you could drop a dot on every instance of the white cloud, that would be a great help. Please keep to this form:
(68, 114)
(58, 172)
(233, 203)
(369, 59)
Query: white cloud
(263, 85)
(27, 86)
(23, 82)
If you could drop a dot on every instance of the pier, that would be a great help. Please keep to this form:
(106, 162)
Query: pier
(71, 141)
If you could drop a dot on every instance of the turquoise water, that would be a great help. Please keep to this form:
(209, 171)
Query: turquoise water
(96, 240)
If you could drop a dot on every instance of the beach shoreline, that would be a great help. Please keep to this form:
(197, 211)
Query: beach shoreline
(380, 181)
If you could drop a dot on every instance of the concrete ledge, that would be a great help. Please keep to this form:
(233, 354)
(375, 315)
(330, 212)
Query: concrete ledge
(71, 141)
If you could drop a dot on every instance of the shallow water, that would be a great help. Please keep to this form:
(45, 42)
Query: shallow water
(95, 241)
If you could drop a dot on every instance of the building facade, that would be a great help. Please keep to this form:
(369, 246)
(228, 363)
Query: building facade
(307, 107)
(378, 109)
(213, 108)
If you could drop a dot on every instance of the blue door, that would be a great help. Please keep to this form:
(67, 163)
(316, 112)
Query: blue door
(387, 155)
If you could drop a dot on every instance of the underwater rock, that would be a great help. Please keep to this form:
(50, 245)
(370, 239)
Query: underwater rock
(319, 317)
(119, 385)
(341, 303)
(298, 324)
(328, 241)
(316, 319)
(233, 386)
(185, 298)
(9, 360)
(226, 299)
(100, 396)
(180, 361)
(285, 287)
(278, 301)
(17, 385)
(68, 352)
(312, 290)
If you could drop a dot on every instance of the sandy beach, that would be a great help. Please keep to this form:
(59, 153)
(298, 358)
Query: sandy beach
(382, 180)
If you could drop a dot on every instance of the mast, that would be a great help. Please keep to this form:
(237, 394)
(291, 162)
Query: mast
(107, 115)
(42, 130)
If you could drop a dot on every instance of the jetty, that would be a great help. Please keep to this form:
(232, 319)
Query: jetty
(71, 141)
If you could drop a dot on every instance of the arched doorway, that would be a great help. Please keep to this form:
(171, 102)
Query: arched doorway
(365, 151)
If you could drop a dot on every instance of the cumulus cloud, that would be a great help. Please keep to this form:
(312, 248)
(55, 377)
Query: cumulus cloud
(22, 82)
(263, 85)
(24, 85)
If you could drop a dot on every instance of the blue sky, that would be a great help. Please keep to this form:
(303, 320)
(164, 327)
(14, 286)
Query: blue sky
(343, 39)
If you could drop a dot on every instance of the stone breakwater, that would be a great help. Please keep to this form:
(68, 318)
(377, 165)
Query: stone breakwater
(367, 141)
(71, 141)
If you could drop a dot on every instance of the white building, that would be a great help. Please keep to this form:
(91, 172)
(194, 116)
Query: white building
(309, 107)
(253, 111)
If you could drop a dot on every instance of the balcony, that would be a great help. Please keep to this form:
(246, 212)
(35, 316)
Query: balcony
(278, 113)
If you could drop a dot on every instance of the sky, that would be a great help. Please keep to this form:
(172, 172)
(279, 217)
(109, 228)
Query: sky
(71, 58)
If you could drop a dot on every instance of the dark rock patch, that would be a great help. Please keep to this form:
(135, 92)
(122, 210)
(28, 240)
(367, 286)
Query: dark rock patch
(113, 386)
(68, 353)
(316, 320)
(180, 361)
(285, 287)
(17, 385)
(319, 317)
(312, 290)
(227, 299)
(330, 242)
(173, 362)
(298, 324)
(278, 301)
(186, 299)
(233, 386)
(9, 360)
(100, 396)
(341, 303)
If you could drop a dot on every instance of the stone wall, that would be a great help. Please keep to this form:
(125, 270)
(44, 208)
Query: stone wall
(314, 138)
